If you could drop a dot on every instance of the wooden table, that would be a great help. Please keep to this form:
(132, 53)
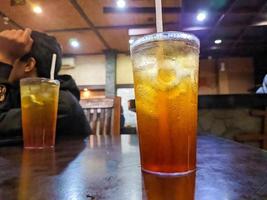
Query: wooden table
(108, 168)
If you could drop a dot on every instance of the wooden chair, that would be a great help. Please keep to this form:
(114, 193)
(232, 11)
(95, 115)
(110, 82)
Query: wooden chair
(261, 138)
(103, 115)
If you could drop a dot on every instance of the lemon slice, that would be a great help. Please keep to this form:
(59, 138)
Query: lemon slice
(34, 100)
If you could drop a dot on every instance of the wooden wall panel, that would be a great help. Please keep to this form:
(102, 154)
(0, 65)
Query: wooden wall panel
(89, 42)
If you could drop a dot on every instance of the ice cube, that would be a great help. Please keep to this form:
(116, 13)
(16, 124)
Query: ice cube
(143, 62)
(182, 88)
(182, 72)
(34, 88)
(147, 74)
(188, 61)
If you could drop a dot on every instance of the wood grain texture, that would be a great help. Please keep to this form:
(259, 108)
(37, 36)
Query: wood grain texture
(104, 167)
(55, 15)
(94, 10)
(89, 42)
(118, 39)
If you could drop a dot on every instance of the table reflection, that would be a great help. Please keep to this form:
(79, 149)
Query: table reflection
(39, 162)
(98, 141)
(166, 187)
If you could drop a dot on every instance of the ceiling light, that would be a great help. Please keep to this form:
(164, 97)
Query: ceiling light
(131, 41)
(121, 3)
(74, 43)
(37, 9)
(218, 41)
(201, 16)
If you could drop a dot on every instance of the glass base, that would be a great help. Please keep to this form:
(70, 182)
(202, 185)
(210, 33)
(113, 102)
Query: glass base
(169, 173)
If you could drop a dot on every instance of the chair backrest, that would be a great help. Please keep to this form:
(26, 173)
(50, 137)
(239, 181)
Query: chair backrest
(103, 114)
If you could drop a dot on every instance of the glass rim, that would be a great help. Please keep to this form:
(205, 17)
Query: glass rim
(38, 79)
(169, 35)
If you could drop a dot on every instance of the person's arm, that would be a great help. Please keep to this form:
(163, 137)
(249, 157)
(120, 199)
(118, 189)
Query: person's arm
(13, 45)
(10, 123)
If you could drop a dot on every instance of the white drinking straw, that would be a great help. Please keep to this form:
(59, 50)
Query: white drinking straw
(159, 16)
(53, 65)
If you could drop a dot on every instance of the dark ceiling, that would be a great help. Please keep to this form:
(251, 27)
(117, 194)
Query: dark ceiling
(241, 24)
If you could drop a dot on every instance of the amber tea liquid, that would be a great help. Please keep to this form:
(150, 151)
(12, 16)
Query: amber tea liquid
(166, 88)
(39, 104)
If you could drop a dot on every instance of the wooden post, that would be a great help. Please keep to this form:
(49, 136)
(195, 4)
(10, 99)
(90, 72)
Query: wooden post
(110, 86)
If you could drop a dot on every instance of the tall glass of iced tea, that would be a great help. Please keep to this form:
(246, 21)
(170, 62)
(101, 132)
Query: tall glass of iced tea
(165, 67)
(39, 104)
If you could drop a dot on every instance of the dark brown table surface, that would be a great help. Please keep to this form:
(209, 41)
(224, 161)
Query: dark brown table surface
(103, 167)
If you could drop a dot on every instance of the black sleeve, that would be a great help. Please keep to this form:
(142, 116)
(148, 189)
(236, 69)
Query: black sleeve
(10, 123)
(4, 71)
(71, 117)
(10, 115)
